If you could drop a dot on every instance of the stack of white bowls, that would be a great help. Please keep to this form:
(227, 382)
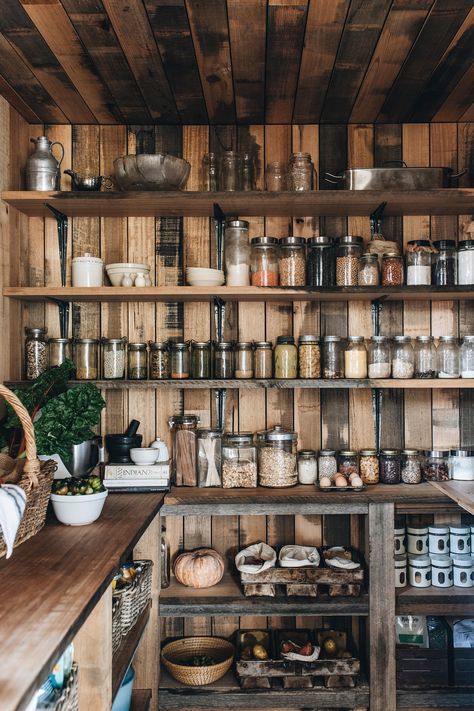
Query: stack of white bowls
(199, 276)
(128, 271)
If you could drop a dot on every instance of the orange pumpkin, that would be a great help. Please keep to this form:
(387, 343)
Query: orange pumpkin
(201, 568)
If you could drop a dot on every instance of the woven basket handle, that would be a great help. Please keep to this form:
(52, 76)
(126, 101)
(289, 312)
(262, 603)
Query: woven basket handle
(32, 464)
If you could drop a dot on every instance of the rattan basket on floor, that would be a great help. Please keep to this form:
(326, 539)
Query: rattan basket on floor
(35, 479)
(69, 699)
(134, 598)
(181, 649)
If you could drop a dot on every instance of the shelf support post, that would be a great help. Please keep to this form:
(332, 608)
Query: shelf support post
(376, 305)
(219, 316)
(377, 399)
(63, 307)
(221, 396)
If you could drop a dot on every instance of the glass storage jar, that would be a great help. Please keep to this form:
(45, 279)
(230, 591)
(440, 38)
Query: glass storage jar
(184, 432)
(264, 261)
(393, 272)
(438, 539)
(200, 359)
(159, 360)
(320, 262)
(230, 173)
(417, 540)
(277, 458)
(114, 352)
(369, 466)
(263, 360)
(327, 463)
(390, 466)
(179, 360)
(419, 571)
(411, 466)
(239, 461)
(434, 465)
(355, 358)
(460, 539)
(36, 352)
(86, 358)
(60, 349)
(368, 274)
(333, 357)
(209, 457)
(223, 360)
(248, 172)
(137, 361)
(400, 563)
(467, 357)
(461, 464)
(441, 571)
(448, 357)
(378, 357)
(347, 462)
(276, 176)
(210, 169)
(244, 359)
(285, 358)
(444, 265)
(300, 172)
(426, 361)
(309, 357)
(466, 262)
(348, 253)
(403, 358)
(307, 466)
(418, 258)
(292, 262)
(237, 253)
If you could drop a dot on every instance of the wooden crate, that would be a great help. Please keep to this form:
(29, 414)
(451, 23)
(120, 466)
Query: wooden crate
(463, 666)
(308, 582)
(422, 668)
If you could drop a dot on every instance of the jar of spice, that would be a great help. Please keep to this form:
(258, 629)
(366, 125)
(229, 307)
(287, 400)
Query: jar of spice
(467, 357)
(418, 256)
(320, 262)
(292, 263)
(460, 539)
(237, 253)
(210, 172)
(285, 358)
(466, 262)
(444, 267)
(276, 176)
(264, 261)
(417, 540)
(209, 457)
(201, 359)
(403, 358)
(159, 361)
(441, 571)
(86, 358)
(369, 466)
(400, 563)
(347, 462)
(307, 466)
(355, 358)
(179, 360)
(239, 461)
(411, 466)
(448, 357)
(399, 540)
(36, 352)
(60, 349)
(348, 253)
(309, 357)
(462, 571)
(368, 270)
(392, 269)
(230, 174)
(300, 172)
(390, 466)
(333, 357)
(426, 361)
(277, 458)
(244, 360)
(327, 463)
(434, 465)
(419, 571)
(461, 465)
(113, 358)
(438, 540)
(223, 360)
(263, 359)
(137, 361)
(184, 432)
(378, 357)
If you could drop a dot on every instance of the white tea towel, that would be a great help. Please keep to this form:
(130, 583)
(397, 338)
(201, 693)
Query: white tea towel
(12, 508)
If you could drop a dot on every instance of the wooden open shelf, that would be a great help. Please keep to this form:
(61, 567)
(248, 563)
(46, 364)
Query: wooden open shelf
(141, 699)
(443, 698)
(434, 601)
(124, 654)
(446, 201)
(462, 492)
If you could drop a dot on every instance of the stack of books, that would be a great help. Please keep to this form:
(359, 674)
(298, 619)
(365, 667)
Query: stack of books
(136, 477)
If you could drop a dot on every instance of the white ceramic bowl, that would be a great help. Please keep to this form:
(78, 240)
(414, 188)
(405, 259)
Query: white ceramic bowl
(127, 266)
(198, 271)
(198, 281)
(78, 510)
(116, 274)
(144, 455)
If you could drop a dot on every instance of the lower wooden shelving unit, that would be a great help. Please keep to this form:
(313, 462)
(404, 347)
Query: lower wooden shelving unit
(124, 655)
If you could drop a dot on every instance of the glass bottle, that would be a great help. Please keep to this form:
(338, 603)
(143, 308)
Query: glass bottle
(378, 357)
(86, 358)
(309, 357)
(368, 270)
(164, 560)
(355, 358)
(390, 466)
(466, 262)
(418, 258)
(277, 458)
(210, 180)
(60, 349)
(285, 358)
(209, 457)
(300, 172)
(320, 262)
(348, 253)
(223, 360)
(230, 174)
(244, 359)
(36, 352)
(179, 360)
(237, 253)
(159, 360)
(467, 357)
(403, 358)
(113, 358)
(411, 466)
(369, 466)
(393, 272)
(333, 357)
(239, 461)
(448, 357)
(137, 361)
(444, 266)
(200, 360)
(263, 359)
(425, 357)
(292, 262)
(184, 431)
(276, 176)
(248, 172)
(264, 261)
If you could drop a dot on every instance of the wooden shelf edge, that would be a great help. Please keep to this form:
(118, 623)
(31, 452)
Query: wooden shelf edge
(434, 601)
(124, 655)
(141, 699)
(452, 698)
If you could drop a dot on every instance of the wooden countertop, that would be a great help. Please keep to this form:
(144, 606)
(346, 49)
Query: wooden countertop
(52, 583)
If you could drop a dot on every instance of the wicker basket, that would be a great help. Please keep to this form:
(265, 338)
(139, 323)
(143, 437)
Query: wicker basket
(35, 478)
(173, 652)
(116, 623)
(69, 699)
(134, 598)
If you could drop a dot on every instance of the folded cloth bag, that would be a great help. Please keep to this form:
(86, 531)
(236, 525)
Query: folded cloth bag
(338, 557)
(257, 552)
(298, 556)
(12, 508)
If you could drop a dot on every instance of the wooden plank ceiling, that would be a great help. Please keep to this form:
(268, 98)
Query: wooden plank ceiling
(244, 61)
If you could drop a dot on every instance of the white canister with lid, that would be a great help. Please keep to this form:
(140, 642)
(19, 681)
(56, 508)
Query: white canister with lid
(460, 539)
(441, 571)
(399, 540)
(87, 271)
(400, 563)
(461, 464)
(163, 455)
(438, 539)
(419, 571)
(417, 538)
(462, 571)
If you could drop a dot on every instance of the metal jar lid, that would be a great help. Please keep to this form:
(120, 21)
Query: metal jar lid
(419, 561)
(441, 244)
(402, 339)
(137, 346)
(292, 241)
(460, 530)
(36, 331)
(355, 339)
(307, 453)
(468, 339)
(158, 345)
(369, 257)
(441, 561)
(435, 453)
(81, 341)
(264, 241)
(327, 452)
(279, 434)
(390, 452)
(368, 453)
(320, 241)
(332, 339)
(263, 344)
(60, 340)
(438, 530)
(351, 239)
(417, 530)
(448, 339)
(184, 420)
(207, 433)
(110, 341)
(348, 453)
(424, 339)
(178, 345)
(289, 340)
(466, 244)
(410, 452)
(223, 345)
(462, 453)
(244, 344)
(239, 224)
(462, 561)
(420, 242)
(201, 344)
(238, 438)
(308, 339)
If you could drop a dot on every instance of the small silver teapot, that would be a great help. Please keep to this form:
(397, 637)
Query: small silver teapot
(88, 183)
(42, 168)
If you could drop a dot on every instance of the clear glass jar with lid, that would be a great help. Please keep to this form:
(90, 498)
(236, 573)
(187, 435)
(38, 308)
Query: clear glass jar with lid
(369, 273)
(467, 357)
(369, 466)
(264, 261)
(276, 176)
(426, 360)
(355, 358)
(209, 457)
(309, 357)
(244, 360)
(263, 359)
(36, 352)
(184, 464)
(379, 357)
(448, 357)
(60, 349)
(137, 361)
(230, 173)
(418, 258)
(461, 465)
(348, 253)
(390, 466)
(403, 358)
(444, 265)
(466, 262)
(327, 464)
(320, 262)
(434, 465)
(307, 466)
(239, 461)
(292, 261)
(411, 466)
(223, 360)
(114, 357)
(159, 360)
(86, 358)
(300, 172)
(201, 359)
(285, 356)
(348, 462)
(237, 253)
(179, 360)
(210, 171)
(248, 171)
(277, 458)
(393, 271)
(333, 357)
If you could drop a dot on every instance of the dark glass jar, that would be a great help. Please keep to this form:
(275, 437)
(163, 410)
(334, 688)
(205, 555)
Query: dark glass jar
(443, 267)
(201, 360)
(223, 360)
(321, 262)
(393, 272)
(390, 466)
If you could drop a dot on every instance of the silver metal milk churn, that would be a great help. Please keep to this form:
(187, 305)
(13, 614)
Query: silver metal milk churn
(42, 168)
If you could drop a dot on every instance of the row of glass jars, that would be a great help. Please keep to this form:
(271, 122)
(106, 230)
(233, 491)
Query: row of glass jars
(236, 171)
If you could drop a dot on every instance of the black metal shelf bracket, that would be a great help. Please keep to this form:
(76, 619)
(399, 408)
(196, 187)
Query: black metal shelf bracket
(62, 222)
(219, 317)
(219, 226)
(377, 399)
(221, 396)
(63, 307)
(376, 305)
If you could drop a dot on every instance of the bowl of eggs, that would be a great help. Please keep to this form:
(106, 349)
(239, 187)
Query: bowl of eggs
(343, 483)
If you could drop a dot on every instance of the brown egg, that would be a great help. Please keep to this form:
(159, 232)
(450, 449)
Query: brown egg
(324, 482)
(353, 475)
(340, 481)
(357, 481)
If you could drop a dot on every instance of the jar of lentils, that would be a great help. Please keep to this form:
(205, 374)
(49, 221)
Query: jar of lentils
(368, 270)
(327, 463)
(137, 361)
(309, 357)
(179, 360)
(390, 466)
(378, 356)
(403, 358)
(264, 261)
(411, 466)
(348, 253)
(347, 462)
(393, 273)
(263, 359)
(300, 172)
(36, 352)
(60, 349)
(369, 466)
(434, 465)
(159, 361)
(201, 359)
(425, 357)
(292, 262)
(223, 360)
(333, 357)
(320, 262)
(113, 358)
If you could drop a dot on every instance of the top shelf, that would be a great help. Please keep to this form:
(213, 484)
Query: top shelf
(339, 203)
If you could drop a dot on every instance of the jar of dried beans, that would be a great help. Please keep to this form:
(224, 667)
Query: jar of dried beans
(390, 466)
(411, 466)
(263, 359)
(292, 262)
(393, 273)
(137, 361)
(159, 360)
(86, 358)
(348, 253)
(277, 458)
(368, 270)
(184, 431)
(36, 352)
(333, 357)
(239, 461)
(309, 357)
(264, 261)
(113, 358)
(369, 466)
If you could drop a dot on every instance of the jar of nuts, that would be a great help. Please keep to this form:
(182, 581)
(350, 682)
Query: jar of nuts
(277, 458)
(369, 466)
(292, 261)
(309, 357)
(348, 253)
(393, 273)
